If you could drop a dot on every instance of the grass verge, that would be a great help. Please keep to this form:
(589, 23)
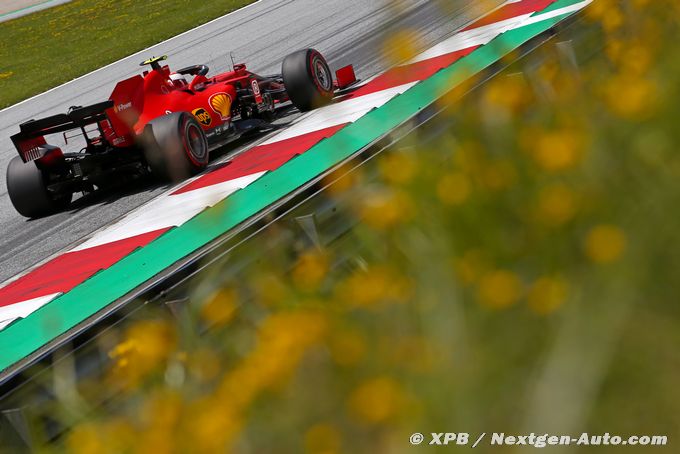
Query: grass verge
(50, 47)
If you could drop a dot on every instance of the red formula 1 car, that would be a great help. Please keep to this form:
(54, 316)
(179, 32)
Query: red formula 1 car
(162, 122)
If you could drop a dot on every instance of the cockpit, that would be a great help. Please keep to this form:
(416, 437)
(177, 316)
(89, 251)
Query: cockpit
(179, 81)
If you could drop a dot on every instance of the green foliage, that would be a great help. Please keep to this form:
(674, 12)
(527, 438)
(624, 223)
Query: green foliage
(50, 47)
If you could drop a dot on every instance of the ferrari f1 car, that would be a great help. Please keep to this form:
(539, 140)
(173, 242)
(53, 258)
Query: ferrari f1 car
(162, 123)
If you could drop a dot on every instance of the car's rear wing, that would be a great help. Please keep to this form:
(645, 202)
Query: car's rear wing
(30, 141)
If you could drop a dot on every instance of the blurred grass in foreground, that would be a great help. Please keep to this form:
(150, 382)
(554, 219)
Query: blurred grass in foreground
(84, 35)
(519, 273)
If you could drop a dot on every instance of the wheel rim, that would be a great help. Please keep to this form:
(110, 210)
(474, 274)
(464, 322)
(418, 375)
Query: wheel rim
(322, 74)
(195, 143)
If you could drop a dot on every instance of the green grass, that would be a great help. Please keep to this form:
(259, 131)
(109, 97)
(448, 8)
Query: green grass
(50, 47)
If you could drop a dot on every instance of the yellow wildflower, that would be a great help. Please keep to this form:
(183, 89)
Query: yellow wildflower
(220, 307)
(398, 168)
(376, 400)
(557, 150)
(605, 243)
(547, 294)
(402, 46)
(385, 209)
(556, 205)
(310, 270)
(376, 285)
(454, 188)
(470, 266)
(322, 439)
(347, 347)
(499, 289)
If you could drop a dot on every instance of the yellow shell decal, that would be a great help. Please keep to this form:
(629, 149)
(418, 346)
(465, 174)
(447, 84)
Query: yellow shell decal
(202, 116)
(221, 104)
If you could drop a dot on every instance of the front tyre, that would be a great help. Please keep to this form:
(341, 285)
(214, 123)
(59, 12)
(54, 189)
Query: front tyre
(308, 79)
(175, 146)
(27, 189)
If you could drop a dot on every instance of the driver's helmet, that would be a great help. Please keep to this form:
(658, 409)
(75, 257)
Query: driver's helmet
(178, 80)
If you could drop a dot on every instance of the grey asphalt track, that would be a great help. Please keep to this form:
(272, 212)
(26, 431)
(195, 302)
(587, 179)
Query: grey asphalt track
(346, 31)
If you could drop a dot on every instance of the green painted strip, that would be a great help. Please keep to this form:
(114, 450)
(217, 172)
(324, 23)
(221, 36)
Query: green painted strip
(28, 335)
(557, 5)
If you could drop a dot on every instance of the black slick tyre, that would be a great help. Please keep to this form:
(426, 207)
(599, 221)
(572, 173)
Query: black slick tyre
(308, 79)
(175, 146)
(27, 189)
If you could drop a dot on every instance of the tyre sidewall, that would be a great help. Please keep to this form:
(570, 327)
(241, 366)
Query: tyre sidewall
(305, 90)
(168, 149)
(27, 190)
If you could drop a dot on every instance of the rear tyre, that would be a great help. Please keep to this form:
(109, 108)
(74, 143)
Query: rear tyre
(27, 189)
(308, 79)
(175, 146)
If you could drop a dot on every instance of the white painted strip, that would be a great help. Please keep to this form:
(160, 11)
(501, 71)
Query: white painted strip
(470, 38)
(557, 12)
(485, 34)
(340, 113)
(21, 310)
(168, 211)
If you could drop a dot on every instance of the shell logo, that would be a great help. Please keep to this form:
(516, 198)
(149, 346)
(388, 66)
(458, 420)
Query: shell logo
(221, 104)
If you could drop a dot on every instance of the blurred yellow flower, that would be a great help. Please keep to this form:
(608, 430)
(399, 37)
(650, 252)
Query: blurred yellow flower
(382, 210)
(497, 174)
(204, 364)
(631, 96)
(600, 9)
(469, 157)
(499, 289)
(146, 346)
(220, 307)
(160, 415)
(510, 93)
(613, 20)
(556, 150)
(402, 46)
(343, 179)
(347, 347)
(322, 439)
(208, 426)
(605, 243)
(636, 59)
(86, 439)
(6, 75)
(398, 167)
(310, 270)
(547, 294)
(413, 353)
(453, 188)
(269, 287)
(376, 400)
(376, 285)
(556, 205)
(470, 267)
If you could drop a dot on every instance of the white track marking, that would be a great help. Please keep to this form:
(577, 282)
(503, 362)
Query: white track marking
(20, 310)
(168, 211)
(470, 38)
(557, 12)
(337, 114)
(485, 34)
